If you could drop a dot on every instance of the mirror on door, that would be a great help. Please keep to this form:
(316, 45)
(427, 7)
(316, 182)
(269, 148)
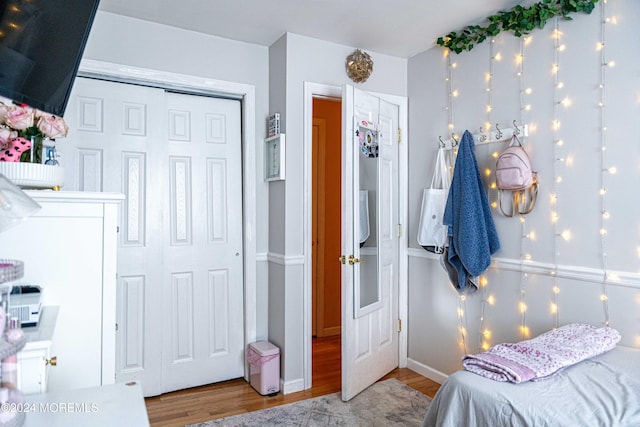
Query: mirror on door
(367, 291)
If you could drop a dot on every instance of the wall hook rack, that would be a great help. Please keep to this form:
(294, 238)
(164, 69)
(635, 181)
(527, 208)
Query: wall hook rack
(483, 135)
(498, 135)
(499, 132)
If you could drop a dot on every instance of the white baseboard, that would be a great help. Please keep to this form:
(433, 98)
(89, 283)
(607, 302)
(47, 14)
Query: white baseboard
(292, 386)
(427, 371)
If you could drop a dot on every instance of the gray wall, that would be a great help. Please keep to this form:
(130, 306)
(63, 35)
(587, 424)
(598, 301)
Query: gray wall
(523, 270)
(277, 221)
(294, 60)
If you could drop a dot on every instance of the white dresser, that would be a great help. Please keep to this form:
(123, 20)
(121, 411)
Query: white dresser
(69, 249)
(35, 359)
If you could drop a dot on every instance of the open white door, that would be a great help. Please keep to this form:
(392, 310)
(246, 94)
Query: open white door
(370, 251)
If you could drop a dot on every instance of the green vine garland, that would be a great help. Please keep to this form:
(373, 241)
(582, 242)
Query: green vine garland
(520, 20)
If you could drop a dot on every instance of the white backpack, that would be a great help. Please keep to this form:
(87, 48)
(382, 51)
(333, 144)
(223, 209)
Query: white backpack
(514, 173)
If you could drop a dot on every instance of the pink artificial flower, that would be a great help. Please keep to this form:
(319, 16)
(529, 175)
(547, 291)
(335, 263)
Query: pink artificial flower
(6, 136)
(19, 118)
(52, 126)
(3, 112)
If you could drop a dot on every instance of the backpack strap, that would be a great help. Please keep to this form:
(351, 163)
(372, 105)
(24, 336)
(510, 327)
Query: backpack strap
(526, 204)
(514, 140)
(522, 201)
(513, 203)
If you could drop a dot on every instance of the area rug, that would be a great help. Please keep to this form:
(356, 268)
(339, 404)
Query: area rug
(386, 403)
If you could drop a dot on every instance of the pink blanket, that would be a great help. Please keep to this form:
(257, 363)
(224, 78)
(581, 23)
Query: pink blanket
(542, 356)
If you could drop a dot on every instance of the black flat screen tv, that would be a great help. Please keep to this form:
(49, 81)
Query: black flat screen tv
(41, 44)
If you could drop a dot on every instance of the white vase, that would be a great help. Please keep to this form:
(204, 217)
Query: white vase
(33, 175)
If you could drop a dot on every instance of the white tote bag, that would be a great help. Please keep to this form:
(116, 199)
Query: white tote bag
(432, 233)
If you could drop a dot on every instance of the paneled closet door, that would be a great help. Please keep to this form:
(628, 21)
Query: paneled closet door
(203, 255)
(177, 159)
(111, 147)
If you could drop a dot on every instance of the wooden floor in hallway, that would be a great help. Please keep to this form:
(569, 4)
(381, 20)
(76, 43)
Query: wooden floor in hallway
(200, 404)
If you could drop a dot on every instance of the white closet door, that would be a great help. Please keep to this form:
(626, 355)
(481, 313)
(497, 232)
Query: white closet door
(177, 159)
(202, 269)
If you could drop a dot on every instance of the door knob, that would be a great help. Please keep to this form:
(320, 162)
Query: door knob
(53, 361)
(354, 260)
(343, 259)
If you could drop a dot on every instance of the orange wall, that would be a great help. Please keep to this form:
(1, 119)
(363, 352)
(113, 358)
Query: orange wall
(331, 111)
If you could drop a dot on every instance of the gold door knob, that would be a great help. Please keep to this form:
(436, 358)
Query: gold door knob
(354, 260)
(343, 259)
(53, 361)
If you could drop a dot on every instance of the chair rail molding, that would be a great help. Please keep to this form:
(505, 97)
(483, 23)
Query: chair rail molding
(286, 260)
(627, 279)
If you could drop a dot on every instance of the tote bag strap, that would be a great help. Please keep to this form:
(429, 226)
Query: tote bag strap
(441, 177)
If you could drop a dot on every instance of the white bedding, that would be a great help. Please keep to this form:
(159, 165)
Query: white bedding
(601, 391)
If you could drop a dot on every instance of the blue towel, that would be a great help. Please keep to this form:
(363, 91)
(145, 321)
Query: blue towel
(472, 233)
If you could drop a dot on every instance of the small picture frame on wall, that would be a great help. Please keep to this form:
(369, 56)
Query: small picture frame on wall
(274, 151)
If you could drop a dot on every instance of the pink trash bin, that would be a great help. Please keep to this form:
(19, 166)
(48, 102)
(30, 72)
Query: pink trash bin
(264, 367)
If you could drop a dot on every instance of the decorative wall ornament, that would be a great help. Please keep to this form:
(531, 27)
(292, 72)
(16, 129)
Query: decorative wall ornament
(519, 20)
(359, 66)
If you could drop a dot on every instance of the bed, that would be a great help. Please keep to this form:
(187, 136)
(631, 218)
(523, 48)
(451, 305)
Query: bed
(600, 391)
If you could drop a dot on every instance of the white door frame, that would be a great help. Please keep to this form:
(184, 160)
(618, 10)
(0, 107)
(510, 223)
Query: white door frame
(205, 86)
(316, 90)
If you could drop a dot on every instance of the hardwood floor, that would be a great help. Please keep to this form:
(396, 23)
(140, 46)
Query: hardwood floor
(232, 397)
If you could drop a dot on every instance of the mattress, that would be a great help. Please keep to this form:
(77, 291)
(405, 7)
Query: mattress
(601, 391)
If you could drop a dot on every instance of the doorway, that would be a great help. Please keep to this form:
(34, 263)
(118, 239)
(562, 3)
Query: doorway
(326, 240)
(313, 91)
(326, 216)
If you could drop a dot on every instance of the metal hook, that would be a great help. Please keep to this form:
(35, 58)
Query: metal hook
(442, 144)
(499, 132)
(517, 131)
(483, 136)
(455, 140)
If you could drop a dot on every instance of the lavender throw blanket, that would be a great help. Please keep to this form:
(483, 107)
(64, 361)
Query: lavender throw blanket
(542, 356)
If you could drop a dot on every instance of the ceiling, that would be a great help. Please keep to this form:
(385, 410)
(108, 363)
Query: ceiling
(399, 28)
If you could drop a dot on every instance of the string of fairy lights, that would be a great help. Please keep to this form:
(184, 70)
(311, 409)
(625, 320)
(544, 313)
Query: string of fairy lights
(483, 333)
(524, 329)
(451, 94)
(557, 178)
(562, 233)
(604, 167)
